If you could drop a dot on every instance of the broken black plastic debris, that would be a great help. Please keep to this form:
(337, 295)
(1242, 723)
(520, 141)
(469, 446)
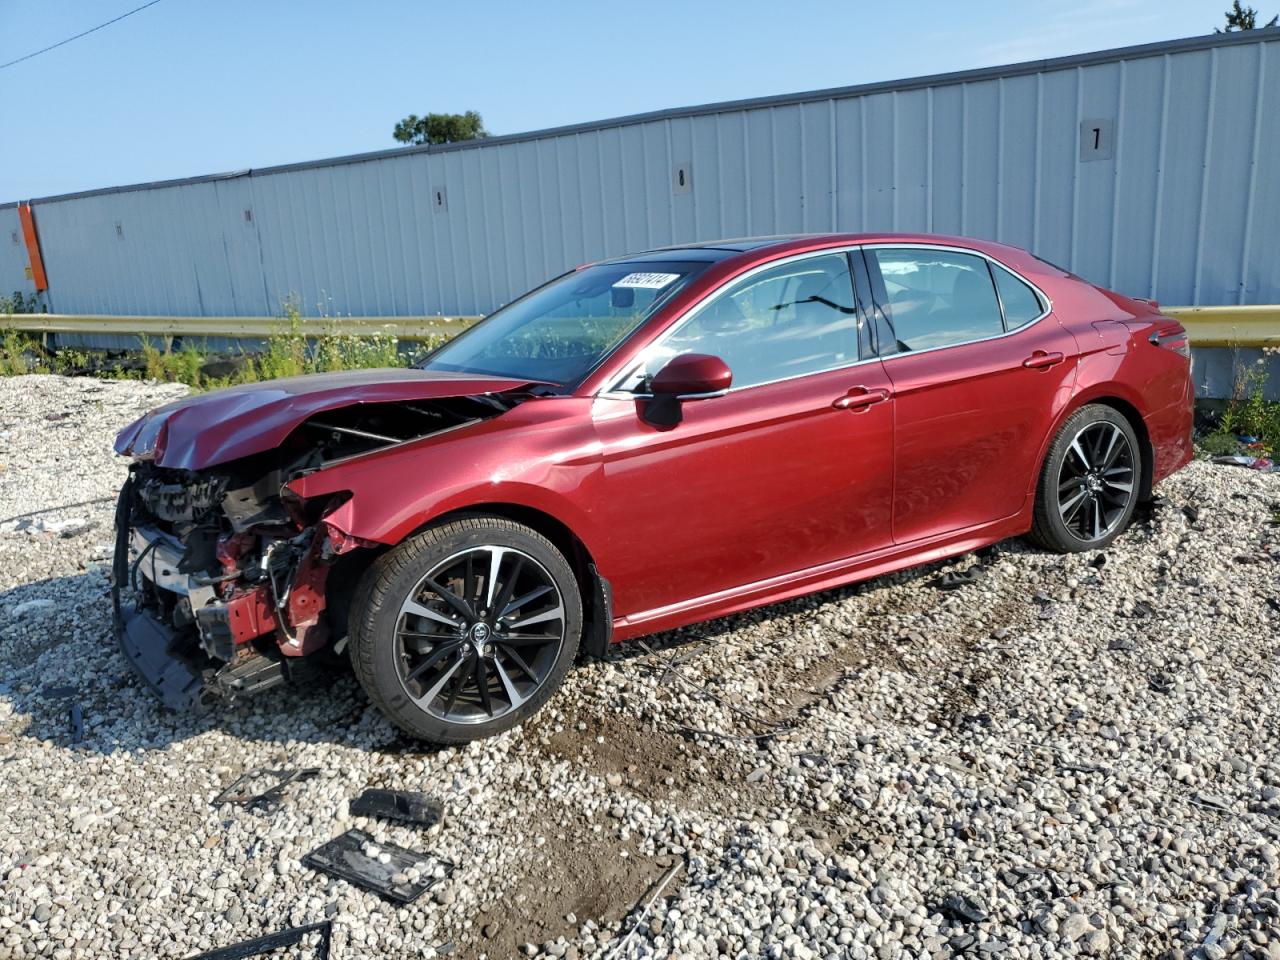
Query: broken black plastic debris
(390, 871)
(957, 906)
(274, 941)
(59, 693)
(404, 805)
(1099, 561)
(955, 579)
(1160, 684)
(267, 798)
(75, 717)
(1191, 513)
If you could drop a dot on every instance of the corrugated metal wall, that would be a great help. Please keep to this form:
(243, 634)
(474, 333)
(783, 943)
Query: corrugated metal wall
(1154, 170)
(13, 254)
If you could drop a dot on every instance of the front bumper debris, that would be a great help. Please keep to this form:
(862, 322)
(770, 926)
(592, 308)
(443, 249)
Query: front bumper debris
(201, 652)
(152, 650)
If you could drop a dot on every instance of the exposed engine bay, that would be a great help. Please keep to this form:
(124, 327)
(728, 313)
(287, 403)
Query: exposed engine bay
(223, 577)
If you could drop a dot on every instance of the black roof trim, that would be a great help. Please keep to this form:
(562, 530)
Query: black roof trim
(1139, 51)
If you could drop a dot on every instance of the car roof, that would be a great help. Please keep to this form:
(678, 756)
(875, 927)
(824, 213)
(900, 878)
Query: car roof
(766, 248)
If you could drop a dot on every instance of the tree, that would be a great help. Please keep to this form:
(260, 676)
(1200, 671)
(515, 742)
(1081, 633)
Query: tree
(1244, 18)
(440, 128)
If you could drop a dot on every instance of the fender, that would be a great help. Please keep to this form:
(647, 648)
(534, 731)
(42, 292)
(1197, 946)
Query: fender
(1088, 389)
(518, 459)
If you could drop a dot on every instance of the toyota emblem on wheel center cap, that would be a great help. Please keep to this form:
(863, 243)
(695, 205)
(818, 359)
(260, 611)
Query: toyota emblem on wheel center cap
(480, 633)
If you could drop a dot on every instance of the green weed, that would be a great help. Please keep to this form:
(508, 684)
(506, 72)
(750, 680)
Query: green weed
(287, 352)
(1248, 413)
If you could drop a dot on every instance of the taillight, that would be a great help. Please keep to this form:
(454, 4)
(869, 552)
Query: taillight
(1173, 338)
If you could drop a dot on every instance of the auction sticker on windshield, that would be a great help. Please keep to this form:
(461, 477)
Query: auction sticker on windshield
(647, 281)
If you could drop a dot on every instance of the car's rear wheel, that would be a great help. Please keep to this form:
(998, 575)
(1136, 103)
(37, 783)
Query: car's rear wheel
(465, 629)
(1089, 484)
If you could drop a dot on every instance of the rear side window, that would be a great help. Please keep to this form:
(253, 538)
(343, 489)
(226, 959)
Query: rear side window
(1021, 304)
(936, 298)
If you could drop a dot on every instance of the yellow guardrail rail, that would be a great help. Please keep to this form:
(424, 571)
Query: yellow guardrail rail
(1247, 326)
(402, 328)
(1251, 326)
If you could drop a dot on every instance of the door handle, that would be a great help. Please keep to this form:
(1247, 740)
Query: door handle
(1040, 360)
(859, 398)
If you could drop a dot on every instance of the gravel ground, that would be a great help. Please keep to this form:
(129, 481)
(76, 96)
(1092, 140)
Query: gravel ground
(1069, 756)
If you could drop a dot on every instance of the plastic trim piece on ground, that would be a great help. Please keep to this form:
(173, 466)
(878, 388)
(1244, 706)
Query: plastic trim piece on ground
(390, 871)
(403, 805)
(267, 798)
(273, 941)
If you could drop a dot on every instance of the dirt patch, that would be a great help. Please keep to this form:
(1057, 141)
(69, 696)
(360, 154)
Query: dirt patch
(578, 875)
(652, 763)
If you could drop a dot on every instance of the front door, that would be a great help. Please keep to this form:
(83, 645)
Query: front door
(790, 469)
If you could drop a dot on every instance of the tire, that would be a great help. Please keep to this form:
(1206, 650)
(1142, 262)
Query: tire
(1089, 483)
(425, 660)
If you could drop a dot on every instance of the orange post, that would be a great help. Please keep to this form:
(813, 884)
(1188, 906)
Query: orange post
(33, 246)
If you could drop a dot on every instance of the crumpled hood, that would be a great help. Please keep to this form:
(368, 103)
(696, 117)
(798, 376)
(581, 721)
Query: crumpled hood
(212, 428)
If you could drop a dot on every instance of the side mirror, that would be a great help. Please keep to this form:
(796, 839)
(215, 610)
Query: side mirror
(689, 376)
(692, 376)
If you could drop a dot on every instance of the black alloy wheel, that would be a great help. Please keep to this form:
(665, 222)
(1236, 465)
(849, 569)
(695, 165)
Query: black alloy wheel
(466, 628)
(1096, 480)
(479, 634)
(1090, 481)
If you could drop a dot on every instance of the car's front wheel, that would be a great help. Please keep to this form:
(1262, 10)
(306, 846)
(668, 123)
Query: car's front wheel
(465, 629)
(1090, 481)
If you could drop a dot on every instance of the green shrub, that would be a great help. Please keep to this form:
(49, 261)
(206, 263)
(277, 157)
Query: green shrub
(287, 352)
(1248, 413)
(20, 353)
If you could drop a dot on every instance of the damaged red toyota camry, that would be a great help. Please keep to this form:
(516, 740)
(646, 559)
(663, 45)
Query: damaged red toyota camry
(638, 444)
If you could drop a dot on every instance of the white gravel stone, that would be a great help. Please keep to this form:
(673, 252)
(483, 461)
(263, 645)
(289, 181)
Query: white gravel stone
(890, 771)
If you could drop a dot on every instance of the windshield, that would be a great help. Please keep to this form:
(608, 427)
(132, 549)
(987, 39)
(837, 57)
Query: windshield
(559, 332)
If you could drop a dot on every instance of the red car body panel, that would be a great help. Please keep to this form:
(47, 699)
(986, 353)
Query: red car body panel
(756, 496)
(961, 418)
(208, 429)
(744, 488)
(542, 455)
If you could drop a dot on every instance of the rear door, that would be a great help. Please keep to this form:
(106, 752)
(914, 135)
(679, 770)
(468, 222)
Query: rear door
(792, 468)
(979, 365)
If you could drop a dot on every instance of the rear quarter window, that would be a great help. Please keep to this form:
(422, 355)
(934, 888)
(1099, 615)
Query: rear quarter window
(1021, 303)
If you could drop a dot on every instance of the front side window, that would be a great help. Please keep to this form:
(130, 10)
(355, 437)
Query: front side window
(786, 321)
(559, 332)
(936, 298)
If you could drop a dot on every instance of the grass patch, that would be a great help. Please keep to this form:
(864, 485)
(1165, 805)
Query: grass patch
(1248, 414)
(286, 353)
(16, 353)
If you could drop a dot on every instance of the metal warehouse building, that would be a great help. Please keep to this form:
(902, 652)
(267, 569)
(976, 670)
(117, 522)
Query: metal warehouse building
(1153, 169)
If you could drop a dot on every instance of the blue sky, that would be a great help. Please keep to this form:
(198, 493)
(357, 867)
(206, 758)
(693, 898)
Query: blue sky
(189, 87)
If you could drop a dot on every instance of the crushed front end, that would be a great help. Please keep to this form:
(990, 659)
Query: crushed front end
(223, 579)
(217, 589)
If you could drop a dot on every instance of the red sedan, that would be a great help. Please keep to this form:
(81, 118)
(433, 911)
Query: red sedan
(638, 444)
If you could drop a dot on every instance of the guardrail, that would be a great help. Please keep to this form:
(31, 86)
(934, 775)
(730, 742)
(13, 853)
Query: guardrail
(1247, 326)
(402, 328)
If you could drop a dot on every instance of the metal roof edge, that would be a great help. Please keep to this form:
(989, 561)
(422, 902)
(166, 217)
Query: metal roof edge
(1023, 68)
